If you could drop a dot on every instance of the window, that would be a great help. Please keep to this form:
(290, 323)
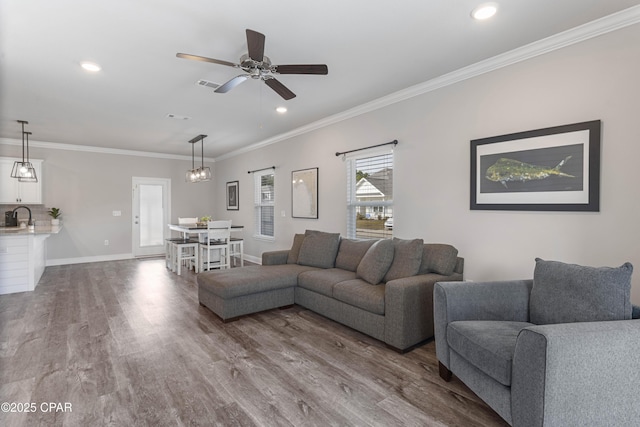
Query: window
(370, 196)
(264, 203)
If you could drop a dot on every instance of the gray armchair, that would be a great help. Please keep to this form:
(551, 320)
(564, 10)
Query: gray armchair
(574, 373)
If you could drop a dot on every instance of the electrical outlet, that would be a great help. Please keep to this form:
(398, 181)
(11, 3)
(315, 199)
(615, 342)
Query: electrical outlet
(283, 214)
(117, 213)
(106, 243)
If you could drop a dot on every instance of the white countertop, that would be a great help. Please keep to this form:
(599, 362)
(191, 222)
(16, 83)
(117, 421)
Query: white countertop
(39, 229)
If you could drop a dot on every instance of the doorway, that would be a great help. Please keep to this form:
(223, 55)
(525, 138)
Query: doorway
(150, 215)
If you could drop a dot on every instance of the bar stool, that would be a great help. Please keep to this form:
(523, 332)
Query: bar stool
(185, 250)
(218, 236)
(175, 255)
(236, 249)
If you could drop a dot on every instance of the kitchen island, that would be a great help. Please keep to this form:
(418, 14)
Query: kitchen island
(22, 257)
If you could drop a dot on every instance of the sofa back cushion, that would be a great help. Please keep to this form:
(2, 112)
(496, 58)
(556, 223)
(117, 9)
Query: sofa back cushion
(567, 293)
(406, 259)
(351, 252)
(319, 249)
(376, 262)
(438, 258)
(295, 249)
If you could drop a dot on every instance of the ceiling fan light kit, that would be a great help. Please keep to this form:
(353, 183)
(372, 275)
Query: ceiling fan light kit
(202, 173)
(256, 65)
(24, 170)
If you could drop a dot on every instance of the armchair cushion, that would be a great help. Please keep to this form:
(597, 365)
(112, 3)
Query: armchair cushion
(487, 344)
(567, 293)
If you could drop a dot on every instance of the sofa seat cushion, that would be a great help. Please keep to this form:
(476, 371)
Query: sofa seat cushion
(361, 294)
(235, 282)
(486, 344)
(322, 281)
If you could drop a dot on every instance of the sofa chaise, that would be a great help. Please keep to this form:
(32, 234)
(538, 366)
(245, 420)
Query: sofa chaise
(383, 288)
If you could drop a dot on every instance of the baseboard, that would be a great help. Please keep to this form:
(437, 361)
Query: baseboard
(254, 259)
(82, 260)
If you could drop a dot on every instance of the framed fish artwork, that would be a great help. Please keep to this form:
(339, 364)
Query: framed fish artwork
(550, 169)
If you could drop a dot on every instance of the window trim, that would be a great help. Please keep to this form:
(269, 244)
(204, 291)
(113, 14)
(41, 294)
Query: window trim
(259, 204)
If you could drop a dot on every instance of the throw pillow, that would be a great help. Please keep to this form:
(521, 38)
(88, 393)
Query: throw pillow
(351, 252)
(567, 293)
(295, 249)
(438, 258)
(319, 249)
(376, 262)
(406, 259)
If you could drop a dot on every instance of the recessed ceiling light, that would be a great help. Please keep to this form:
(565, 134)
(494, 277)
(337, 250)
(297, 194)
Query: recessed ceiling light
(484, 11)
(90, 66)
(281, 110)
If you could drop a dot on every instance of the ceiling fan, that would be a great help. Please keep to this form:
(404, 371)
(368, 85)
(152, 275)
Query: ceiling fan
(258, 66)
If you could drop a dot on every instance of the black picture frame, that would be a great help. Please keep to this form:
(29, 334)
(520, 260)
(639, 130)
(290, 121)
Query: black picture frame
(304, 193)
(550, 169)
(233, 196)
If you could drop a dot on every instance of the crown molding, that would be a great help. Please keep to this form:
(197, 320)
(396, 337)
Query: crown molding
(100, 150)
(561, 40)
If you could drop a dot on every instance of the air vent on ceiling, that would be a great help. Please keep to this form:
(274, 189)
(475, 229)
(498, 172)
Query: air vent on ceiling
(207, 83)
(177, 117)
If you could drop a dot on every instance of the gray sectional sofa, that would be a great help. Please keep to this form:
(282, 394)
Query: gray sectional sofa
(383, 288)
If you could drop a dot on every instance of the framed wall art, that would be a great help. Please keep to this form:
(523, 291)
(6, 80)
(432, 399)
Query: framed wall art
(551, 169)
(233, 196)
(304, 193)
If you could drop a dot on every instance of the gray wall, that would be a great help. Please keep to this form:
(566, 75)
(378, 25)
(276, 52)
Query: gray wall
(595, 79)
(88, 187)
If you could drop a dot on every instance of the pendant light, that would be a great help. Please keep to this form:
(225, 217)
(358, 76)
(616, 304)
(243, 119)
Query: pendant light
(202, 173)
(30, 175)
(24, 170)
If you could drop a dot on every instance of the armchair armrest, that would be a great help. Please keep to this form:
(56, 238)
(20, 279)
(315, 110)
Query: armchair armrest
(503, 300)
(275, 257)
(577, 374)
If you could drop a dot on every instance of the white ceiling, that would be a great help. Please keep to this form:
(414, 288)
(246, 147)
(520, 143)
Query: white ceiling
(372, 47)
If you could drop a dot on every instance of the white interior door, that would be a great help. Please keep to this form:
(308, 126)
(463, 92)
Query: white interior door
(150, 215)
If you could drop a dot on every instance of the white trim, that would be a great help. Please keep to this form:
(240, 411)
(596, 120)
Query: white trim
(101, 150)
(82, 260)
(254, 259)
(561, 40)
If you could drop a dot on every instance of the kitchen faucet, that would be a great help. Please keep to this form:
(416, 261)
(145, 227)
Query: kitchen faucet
(15, 214)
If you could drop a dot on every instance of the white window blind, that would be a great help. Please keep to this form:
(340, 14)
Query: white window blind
(264, 203)
(370, 195)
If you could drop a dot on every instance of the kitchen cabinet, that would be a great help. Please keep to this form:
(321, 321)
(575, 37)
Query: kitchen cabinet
(13, 191)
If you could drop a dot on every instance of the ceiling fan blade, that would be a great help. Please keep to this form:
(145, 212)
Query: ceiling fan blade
(301, 69)
(255, 43)
(280, 89)
(205, 59)
(232, 83)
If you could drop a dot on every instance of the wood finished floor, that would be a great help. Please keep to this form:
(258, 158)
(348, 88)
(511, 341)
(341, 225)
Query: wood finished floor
(126, 343)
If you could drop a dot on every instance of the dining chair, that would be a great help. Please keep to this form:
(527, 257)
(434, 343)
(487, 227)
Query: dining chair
(217, 239)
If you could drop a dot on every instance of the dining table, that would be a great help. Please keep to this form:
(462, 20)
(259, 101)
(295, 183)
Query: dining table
(187, 229)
